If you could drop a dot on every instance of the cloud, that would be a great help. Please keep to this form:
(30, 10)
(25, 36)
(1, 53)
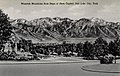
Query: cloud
(79, 11)
(110, 8)
(40, 13)
(12, 12)
(110, 12)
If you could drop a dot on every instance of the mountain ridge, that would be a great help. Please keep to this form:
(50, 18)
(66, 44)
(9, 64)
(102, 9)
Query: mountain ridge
(60, 28)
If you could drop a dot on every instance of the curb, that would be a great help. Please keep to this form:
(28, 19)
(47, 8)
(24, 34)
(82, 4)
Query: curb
(39, 63)
(95, 70)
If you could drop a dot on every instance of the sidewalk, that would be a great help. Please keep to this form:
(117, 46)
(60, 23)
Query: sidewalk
(103, 68)
(57, 60)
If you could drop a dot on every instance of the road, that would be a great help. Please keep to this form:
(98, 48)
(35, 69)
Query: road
(69, 69)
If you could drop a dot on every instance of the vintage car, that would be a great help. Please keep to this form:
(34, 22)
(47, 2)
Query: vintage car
(24, 56)
(108, 59)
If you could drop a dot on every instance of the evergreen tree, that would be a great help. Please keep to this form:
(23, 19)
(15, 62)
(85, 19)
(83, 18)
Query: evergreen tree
(5, 27)
(101, 47)
(79, 49)
(114, 48)
(87, 49)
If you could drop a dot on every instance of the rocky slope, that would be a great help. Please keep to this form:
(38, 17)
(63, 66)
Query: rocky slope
(60, 28)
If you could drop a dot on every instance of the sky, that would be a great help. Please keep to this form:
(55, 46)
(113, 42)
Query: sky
(108, 10)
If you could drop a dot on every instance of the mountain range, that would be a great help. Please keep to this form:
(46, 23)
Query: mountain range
(61, 28)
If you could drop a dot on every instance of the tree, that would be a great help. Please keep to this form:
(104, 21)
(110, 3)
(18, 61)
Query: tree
(79, 49)
(101, 47)
(114, 48)
(5, 28)
(87, 49)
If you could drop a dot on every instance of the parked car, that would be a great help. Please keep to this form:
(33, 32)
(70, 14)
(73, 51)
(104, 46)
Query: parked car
(106, 60)
(30, 57)
(66, 55)
(21, 58)
(11, 58)
(88, 58)
(4, 56)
